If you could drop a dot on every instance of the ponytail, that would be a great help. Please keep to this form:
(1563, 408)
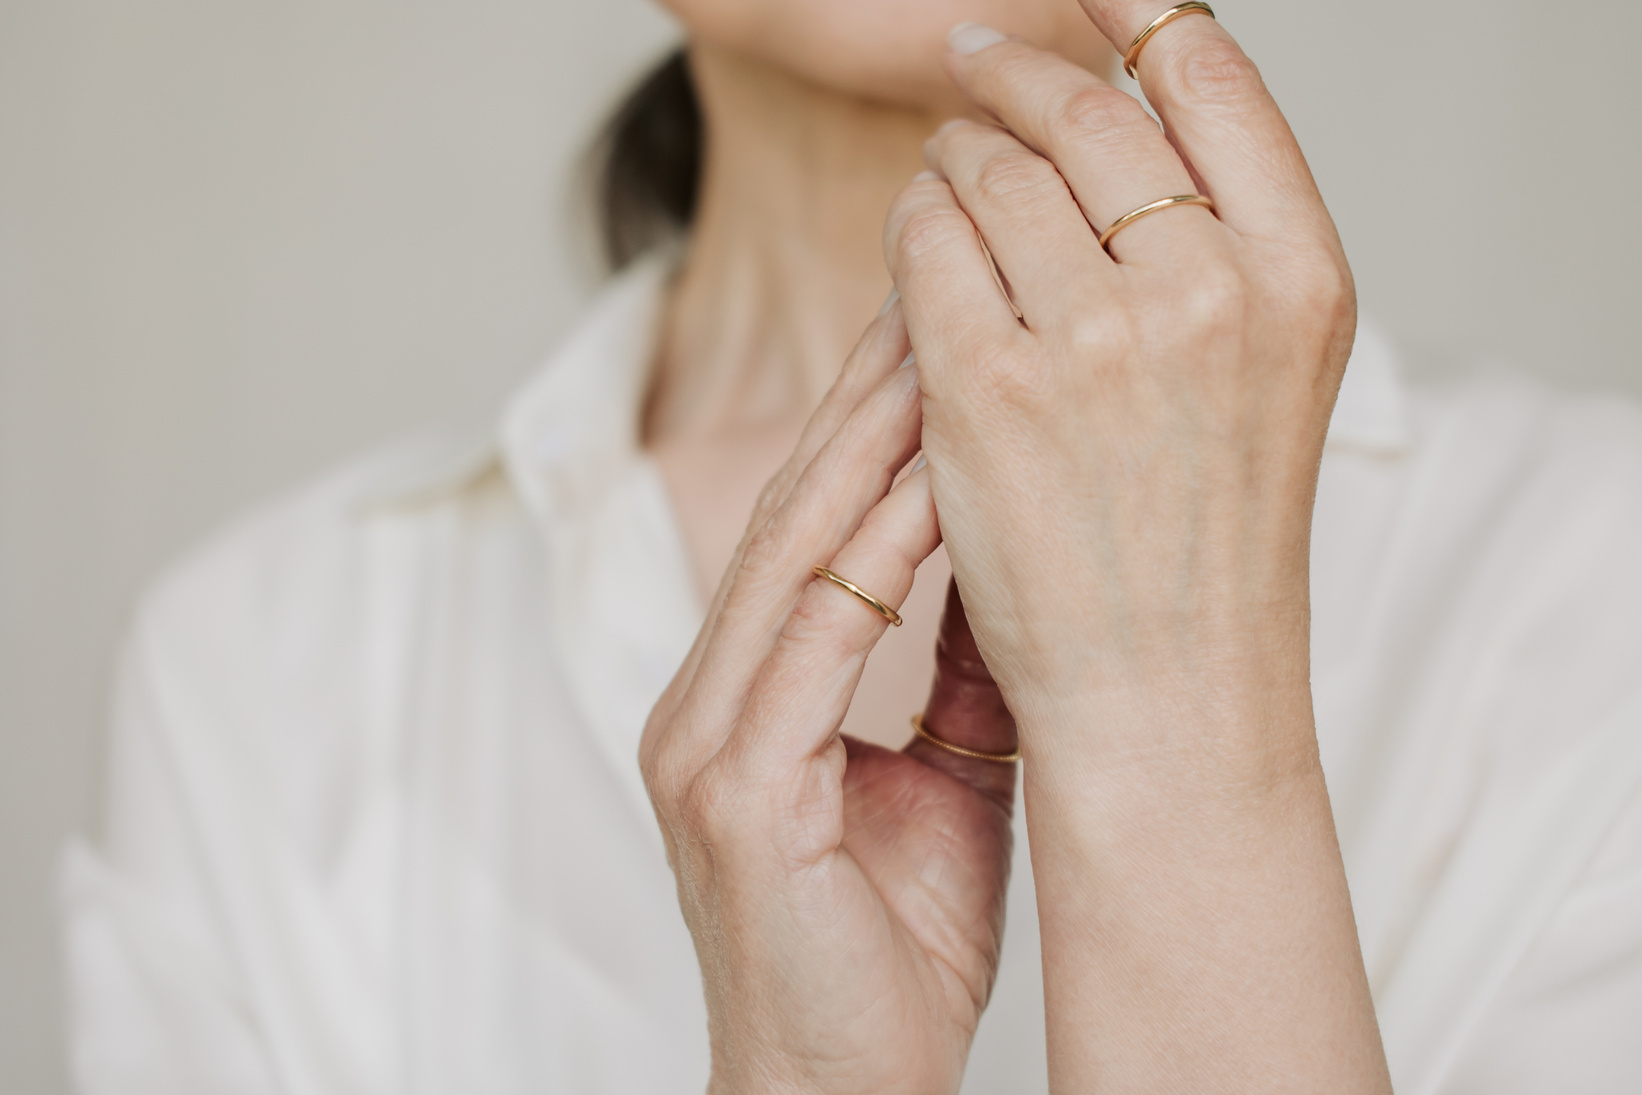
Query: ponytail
(649, 164)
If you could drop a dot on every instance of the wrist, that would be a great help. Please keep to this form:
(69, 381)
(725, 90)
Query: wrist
(1238, 722)
(1072, 648)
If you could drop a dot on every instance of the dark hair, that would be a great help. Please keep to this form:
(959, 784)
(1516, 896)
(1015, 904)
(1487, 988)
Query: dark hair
(648, 164)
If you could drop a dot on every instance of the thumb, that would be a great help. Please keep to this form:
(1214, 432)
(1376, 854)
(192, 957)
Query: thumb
(966, 709)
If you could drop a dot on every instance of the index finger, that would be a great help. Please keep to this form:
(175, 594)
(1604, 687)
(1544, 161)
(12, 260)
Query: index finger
(844, 482)
(882, 345)
(1216, 109)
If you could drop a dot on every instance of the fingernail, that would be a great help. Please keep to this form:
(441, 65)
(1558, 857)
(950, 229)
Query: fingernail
(924, 176)
(950, 125)
(911, 360)
(889, 302)
(967, 38)
(918, 465)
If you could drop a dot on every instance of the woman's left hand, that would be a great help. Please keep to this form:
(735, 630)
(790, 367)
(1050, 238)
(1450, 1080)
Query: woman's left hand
(1123, 448)
(846, 901)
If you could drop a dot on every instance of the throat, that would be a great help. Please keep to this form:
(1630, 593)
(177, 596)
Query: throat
(713, 481)
(784, 266)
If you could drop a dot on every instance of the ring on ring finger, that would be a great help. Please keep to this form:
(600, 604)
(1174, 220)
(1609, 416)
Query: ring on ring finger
(1148, 209)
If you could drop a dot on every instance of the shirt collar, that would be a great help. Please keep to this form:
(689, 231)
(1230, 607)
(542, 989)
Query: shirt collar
(568, 426)
(575, 423)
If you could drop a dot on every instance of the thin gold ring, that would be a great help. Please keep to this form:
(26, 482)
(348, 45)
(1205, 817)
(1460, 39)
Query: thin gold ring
(871, 602)
(1158, 24)
(1152, 207)
(1001, 758)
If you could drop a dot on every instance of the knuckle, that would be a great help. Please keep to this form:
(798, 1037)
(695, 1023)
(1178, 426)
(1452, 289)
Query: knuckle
(1005, 177)
(651, 748)
(926, 231)
(1328, 300)
(664, 780)
(1100, 110)
(1216, 300)
(1217, 70)
(770, 497)
(1332, 289)
(763, 551)
(1317, 289)
(808, 618)
(1102, 335)
(709, 804)
(813, 624)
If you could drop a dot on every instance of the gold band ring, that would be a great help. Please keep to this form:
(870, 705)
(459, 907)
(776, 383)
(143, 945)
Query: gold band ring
(868, 599)
(1192, 8)
(1152, 207)
(1001, 758)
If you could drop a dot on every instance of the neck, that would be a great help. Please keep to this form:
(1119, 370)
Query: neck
(785, 262)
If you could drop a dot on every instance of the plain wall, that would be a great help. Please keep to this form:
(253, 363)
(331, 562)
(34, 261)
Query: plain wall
(238, 242)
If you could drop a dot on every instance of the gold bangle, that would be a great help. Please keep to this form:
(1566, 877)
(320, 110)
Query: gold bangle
(1000, 758)
(1191, 8)
(1152, 207)
(868, 599)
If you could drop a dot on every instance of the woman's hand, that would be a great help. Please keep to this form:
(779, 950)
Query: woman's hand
(846, 901)
(1124, 476)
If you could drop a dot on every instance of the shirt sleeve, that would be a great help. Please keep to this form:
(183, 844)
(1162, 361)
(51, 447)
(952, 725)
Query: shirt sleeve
(156, 1005)
(232, 931)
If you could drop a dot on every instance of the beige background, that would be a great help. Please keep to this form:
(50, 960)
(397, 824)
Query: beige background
(240, 241)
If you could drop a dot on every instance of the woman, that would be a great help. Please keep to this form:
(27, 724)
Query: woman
(376, 823)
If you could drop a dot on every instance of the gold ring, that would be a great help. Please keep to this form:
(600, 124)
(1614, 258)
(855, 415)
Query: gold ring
(1152, 207)
(1001, 758)
(1158, 24)
(871, 602)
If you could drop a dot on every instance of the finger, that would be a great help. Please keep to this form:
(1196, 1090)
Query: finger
(948, 292)
(848, 477)
(966, 709)
(804, 690)
(1112, 154)
(882, 347)
(1026, 215)
(1220, 115)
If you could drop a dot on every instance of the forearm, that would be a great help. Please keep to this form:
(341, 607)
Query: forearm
(1123, 454)
(1197, 930)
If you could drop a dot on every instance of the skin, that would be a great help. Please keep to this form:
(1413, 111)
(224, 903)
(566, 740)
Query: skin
(1123, 479)
(809, 146)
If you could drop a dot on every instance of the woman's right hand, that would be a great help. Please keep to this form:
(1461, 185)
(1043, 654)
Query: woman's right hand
(846, 901)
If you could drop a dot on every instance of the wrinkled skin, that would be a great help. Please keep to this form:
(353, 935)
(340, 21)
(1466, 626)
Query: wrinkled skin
(1122, 453)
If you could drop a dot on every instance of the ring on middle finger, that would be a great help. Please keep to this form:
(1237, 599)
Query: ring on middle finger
(1131, 56)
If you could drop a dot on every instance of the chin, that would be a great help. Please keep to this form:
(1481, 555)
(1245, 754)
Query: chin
(886, 50)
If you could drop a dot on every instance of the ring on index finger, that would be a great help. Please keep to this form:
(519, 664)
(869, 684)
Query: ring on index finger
(1193, 7)
(866, 598)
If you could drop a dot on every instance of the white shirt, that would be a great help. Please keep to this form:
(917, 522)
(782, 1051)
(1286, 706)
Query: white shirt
(376, 825)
